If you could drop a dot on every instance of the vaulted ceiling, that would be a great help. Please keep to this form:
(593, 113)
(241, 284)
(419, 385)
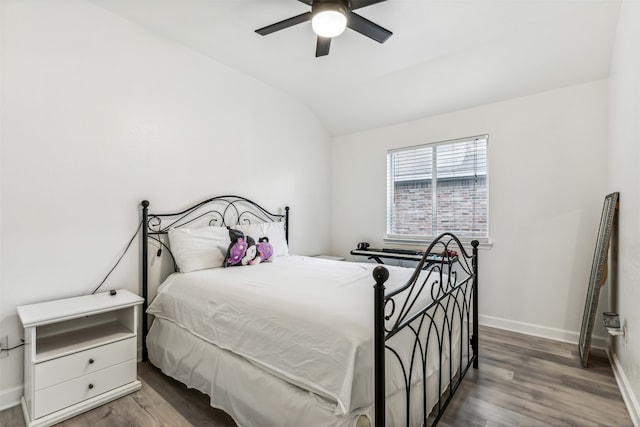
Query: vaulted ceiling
(444, 55)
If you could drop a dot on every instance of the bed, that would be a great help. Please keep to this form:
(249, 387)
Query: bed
(303, 340)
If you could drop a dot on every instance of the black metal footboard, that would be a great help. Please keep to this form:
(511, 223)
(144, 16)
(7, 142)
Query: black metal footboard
(427, 330)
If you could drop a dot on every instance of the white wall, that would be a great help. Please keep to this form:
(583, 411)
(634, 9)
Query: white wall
(547, 160)
(624, 176)
(98, 114)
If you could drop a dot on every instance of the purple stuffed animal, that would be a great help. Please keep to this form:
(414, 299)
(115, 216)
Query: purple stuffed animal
(264, 251)
(237, 248)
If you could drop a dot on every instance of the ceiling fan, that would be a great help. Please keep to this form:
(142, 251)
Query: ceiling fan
(329, 19)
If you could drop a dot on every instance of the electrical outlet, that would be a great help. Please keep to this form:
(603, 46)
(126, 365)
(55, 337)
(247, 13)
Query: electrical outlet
(4, 345)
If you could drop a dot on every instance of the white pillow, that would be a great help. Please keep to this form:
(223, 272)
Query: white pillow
(199, 248)
(273, 230)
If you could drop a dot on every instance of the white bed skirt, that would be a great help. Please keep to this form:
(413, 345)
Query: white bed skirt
(253, 397)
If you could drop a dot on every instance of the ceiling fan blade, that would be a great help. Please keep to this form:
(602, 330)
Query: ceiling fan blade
(358, 4)
(310, 2)
(322, 46)
(284, 24)
(367, 28)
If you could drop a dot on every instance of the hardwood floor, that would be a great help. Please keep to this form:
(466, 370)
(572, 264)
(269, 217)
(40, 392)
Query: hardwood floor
(529, 381)
(522, 381)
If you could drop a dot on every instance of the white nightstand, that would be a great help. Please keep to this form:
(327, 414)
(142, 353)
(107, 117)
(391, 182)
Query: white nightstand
(79, 353)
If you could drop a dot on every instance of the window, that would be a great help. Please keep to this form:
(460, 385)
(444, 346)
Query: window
(439, 187)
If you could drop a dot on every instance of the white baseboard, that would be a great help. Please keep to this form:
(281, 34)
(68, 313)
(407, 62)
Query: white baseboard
(10, 397)
(541, 331)
(630, 400)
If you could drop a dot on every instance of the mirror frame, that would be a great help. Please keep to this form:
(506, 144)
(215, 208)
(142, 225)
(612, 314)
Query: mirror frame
(598, 275)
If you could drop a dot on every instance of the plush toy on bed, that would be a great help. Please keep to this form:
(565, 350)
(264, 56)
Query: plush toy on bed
(251, 252)
(243, 250)
(237, 248)
(264, 251)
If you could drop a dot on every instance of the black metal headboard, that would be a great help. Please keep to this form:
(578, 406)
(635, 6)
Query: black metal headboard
(222, 211)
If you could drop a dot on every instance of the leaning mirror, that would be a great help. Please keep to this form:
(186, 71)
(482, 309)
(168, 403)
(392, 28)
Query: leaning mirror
(598, 275)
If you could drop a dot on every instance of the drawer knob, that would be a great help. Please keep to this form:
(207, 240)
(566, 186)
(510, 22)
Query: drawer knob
(90, 386)
(91, 361)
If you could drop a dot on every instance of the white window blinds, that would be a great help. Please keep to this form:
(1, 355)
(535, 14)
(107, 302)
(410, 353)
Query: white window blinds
(439, 187)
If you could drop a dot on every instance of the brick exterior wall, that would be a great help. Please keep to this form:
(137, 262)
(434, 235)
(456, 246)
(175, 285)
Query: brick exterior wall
(412, 210)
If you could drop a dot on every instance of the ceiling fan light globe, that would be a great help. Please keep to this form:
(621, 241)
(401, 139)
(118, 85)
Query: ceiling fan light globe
(329, 23)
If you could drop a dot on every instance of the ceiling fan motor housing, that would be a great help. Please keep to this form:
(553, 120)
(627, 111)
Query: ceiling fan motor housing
(341, 6)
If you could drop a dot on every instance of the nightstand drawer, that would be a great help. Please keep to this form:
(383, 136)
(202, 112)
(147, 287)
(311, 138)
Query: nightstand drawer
(75, 365)
(85, 387)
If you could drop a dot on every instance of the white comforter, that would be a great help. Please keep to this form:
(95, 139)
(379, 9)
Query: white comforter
(306, 320)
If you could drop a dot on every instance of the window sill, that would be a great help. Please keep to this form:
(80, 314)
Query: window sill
(484, 245)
